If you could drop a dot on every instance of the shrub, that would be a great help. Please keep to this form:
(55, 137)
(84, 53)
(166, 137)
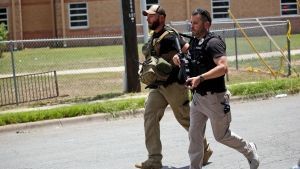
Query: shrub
(3, 36)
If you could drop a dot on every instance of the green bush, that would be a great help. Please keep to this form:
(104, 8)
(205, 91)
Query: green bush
(3, 36)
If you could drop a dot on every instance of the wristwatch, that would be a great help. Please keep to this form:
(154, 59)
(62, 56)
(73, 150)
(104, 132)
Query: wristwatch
(201, 78)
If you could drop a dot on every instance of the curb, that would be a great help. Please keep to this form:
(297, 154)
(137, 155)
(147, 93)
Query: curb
(22, 127)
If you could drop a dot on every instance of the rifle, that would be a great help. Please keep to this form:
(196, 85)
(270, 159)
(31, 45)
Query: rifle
(186, 36)
(184, 71)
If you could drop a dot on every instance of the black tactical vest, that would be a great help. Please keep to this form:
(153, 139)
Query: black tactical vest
(201, 61)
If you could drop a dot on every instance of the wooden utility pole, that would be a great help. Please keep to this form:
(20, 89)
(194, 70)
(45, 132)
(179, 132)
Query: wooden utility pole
(132, 83)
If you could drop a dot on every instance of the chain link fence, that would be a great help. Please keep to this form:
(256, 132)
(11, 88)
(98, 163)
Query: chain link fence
(256, 48)
(93, 66)
(86, 66)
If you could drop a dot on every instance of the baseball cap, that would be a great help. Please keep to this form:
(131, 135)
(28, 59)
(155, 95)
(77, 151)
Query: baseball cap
(155, 9)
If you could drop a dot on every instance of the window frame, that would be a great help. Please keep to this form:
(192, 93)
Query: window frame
(71, 15)
(212, 9)
(289, 3)
(7, 19)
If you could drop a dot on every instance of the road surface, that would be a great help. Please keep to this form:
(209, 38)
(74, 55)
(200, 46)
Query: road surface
(272, 124)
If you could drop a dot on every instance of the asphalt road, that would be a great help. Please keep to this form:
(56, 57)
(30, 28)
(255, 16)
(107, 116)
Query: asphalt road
(272, 124)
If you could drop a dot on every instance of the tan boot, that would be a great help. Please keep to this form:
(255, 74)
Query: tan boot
(207, 152)
(149, 164)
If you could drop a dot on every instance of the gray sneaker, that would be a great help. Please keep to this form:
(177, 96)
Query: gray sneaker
(254, 161)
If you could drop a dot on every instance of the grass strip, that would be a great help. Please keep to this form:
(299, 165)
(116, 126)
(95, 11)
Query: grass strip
(72, 111)
(269, 87)
(265, 87)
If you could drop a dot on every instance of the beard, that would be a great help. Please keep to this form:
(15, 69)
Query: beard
(154, 25)
(199, 33)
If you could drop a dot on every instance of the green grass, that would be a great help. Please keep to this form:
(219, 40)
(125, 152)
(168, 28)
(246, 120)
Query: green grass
(268, 87)
(273, 62)
(77, 110)
(46, 59)
(261, 44)
(295, 41)
(265, 87)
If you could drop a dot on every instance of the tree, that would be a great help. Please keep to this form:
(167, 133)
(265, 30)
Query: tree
(3, 37)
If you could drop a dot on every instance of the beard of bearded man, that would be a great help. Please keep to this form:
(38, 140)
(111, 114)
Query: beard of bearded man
(154, 25)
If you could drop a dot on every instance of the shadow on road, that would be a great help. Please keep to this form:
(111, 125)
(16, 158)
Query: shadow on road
(169, 167)
(186, 167)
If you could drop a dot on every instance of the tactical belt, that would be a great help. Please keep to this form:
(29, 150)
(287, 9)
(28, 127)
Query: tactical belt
(204, 92)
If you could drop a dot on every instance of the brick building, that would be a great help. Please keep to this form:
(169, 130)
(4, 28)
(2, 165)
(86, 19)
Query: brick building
(28, 19)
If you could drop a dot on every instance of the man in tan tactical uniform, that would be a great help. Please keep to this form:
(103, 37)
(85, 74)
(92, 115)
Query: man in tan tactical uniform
(162, 44)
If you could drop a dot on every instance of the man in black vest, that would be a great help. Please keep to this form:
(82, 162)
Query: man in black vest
(162, 44)
(208, 65)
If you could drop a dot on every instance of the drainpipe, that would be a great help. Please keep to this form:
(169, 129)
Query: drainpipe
(13, 11)
(54, 18)
(21, 20)
(63, 18)
(188, 9)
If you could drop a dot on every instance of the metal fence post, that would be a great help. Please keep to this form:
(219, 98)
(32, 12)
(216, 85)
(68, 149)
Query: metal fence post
(289, 50)
(223, 35)
(236, 49)
(11, 45)
(270, 46)
(56, 83)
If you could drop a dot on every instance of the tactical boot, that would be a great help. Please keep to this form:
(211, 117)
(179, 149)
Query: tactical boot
(207, 153)
(149, 164)
(254, 161)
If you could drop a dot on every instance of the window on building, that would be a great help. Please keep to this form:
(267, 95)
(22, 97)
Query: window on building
(220, 9)
(78, 15)
(289, 7)
(151, 2)
(3, 16)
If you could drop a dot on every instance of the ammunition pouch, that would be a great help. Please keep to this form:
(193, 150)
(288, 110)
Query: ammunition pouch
(155, 71)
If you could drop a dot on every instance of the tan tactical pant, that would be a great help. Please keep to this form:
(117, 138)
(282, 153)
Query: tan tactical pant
(177, 96)
(209, 106)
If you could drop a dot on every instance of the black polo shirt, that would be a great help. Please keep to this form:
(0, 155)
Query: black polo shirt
(212, 49)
